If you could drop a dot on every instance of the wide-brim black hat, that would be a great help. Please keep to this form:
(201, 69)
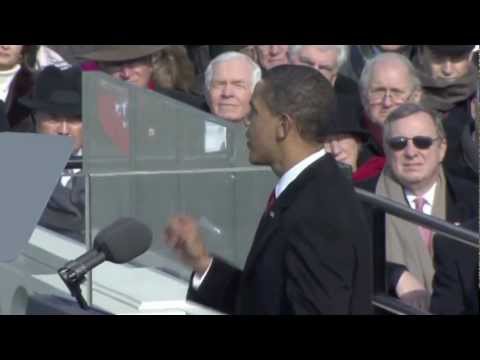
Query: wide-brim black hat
(57, 92)
(347, 118)
(451, 50)
(117, 53)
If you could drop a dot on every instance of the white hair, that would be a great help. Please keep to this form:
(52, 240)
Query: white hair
(231, 55)
(342, 51)
(366, 77)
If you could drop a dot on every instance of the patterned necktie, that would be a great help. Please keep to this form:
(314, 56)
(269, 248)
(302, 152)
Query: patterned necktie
(425, 233)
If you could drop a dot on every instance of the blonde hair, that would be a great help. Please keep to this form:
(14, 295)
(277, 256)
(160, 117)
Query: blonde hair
(172, 68)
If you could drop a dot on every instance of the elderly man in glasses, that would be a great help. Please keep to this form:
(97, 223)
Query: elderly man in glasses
(387, 81)
(415, 146)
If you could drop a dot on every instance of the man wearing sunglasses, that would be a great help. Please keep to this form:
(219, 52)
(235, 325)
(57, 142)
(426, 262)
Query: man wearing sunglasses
(415, 146)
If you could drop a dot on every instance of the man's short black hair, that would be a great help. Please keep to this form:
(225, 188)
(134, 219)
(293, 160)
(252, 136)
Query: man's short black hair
(304, 94)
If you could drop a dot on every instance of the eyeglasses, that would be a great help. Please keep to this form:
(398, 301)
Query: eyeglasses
(421, 142)
(396, 96)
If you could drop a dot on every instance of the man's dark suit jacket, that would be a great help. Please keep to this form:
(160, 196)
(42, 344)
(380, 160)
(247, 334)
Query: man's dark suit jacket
(455, 285)
(311, 254)
(65, 211)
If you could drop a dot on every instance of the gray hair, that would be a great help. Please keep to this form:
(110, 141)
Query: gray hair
(231, 55)
(408, 109)
(366, 77)
(342, 51)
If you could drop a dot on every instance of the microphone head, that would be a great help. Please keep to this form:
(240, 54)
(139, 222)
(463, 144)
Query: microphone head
(123, 241)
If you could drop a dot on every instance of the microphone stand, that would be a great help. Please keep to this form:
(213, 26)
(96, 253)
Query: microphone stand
(73, 282)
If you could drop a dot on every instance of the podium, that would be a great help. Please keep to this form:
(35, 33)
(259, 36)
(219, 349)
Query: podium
(30, 285)
(40, 304)
(31, 166)
(148, 157)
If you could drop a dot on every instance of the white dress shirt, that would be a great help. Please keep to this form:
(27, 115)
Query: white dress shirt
(429, 198)
(6, 78)
(66, 178)
(287, 178)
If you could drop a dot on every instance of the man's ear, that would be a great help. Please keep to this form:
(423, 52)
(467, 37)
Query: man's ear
(285, 126)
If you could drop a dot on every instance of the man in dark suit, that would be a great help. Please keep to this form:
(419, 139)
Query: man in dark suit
(56, 104)
(311, 253)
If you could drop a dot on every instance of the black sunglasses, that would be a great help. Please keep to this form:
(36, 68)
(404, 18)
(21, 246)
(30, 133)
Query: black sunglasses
(421, 142)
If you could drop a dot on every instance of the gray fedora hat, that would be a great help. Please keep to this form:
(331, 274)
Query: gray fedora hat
(114, 53)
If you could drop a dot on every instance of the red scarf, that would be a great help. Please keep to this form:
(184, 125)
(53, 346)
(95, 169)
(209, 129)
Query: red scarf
(373, 167)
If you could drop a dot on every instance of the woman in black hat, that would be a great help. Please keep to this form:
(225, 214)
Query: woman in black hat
(346, 142)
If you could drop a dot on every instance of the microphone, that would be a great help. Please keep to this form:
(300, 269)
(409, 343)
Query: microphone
(120, 242)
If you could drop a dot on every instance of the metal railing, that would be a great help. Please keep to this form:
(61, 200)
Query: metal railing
(381, 301)
(455, 233)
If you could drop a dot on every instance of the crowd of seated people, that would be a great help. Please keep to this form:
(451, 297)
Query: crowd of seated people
(405, 127)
